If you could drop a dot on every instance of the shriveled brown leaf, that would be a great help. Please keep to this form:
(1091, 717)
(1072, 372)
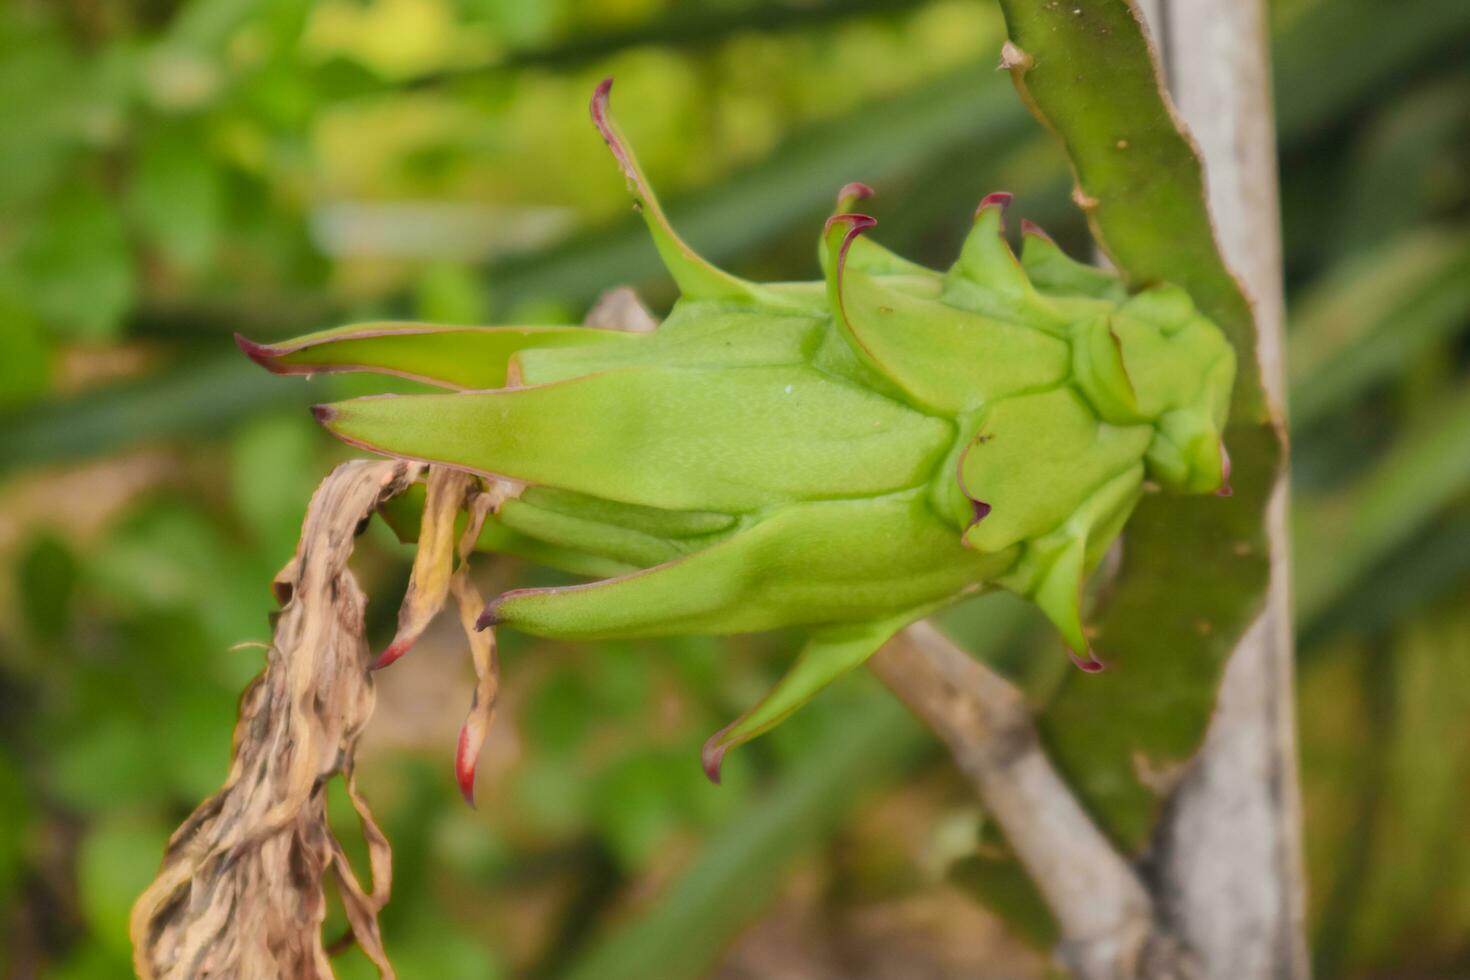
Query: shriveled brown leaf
(241, 890)
(482, 647)
(437, 574)
(433, 564)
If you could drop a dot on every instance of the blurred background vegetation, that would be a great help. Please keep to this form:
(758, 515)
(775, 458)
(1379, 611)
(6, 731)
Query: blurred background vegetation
(174, 170)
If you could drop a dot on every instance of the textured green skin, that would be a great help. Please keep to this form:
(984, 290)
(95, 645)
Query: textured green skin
(812, 454)
(1193, 578)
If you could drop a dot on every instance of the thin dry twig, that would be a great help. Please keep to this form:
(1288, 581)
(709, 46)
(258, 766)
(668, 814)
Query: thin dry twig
(241, 890)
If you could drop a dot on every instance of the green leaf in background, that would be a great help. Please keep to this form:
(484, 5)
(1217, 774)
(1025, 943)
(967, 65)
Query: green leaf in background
(1347, 533)
(433, 948)
(1385, 778)
(1194, 571)
(273, 470)
(170, 558)
(25, 355)
(46, 584)
(1368, 317)
(1342, 743)
(995, 877)
(450, 293)
(197, 398)
(177, 196)
(638, 802)
(16, 824)
(1404, 167)
(741, 868)
(102, 764)
(1339, 52)
(41, 84)
(76, 266)
(117, 860)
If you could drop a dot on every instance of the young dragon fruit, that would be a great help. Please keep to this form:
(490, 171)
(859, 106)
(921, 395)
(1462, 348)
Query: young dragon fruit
(847, 455)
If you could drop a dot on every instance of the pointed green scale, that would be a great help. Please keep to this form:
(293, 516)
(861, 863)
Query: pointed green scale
(837, 561)
(867, 255)
(1182, 371)
(1167, 307)
(1055, 565)
(448, 356)
(1036, 458)
(1055, 273)
(695, 277)
(1177, 357)
(1099, 370)
(731, 440)
(949, 360)
(827, 655)
(987, 278)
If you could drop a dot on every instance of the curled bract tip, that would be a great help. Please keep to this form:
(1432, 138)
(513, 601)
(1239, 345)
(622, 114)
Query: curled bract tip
(465, 757)
(392, 653)
(856, 223)
(852, 193)
(995, 199)
(712, 756)
(598, 105)
(610, 135)
(490, 617)
(261, 354)
(323, 413)
(1088, 663)
(1029, 227)
(979, 509)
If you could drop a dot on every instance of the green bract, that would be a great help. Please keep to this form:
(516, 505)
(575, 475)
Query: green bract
(847, 455)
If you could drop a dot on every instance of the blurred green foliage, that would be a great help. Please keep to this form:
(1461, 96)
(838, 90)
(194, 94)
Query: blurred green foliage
(173, 171)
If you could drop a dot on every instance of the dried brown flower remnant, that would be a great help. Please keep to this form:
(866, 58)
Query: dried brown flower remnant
(433, 563)
(240, 892)
(437, 575)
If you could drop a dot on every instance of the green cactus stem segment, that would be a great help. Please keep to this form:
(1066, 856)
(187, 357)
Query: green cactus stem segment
(844, 456)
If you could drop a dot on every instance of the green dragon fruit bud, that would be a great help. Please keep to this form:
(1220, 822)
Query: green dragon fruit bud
(846, 456)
